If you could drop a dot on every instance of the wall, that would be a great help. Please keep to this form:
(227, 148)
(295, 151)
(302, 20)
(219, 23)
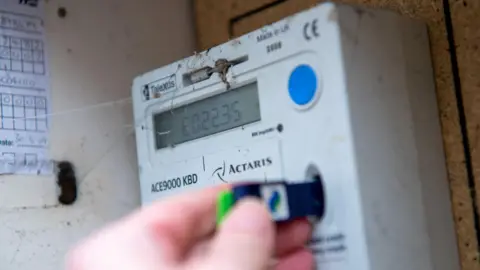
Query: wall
(95, 51)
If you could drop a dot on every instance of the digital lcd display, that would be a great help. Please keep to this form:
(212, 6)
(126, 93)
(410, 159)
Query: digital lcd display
(231, 109)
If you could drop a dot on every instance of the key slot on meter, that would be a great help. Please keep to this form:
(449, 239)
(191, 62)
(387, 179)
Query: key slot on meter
(313, 174)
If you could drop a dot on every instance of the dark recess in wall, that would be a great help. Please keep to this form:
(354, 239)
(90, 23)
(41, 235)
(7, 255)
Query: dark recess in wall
(67, 182)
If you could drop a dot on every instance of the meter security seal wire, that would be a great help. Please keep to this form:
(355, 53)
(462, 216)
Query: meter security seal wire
(285, 201)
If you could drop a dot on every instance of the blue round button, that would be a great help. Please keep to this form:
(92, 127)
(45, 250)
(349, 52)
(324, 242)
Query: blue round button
(302, 84)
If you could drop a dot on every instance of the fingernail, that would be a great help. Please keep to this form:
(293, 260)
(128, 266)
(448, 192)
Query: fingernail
(249, 217)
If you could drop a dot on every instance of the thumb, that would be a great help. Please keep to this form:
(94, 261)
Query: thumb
(245, 240)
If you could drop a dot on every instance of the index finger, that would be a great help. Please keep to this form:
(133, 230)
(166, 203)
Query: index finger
(178, 222)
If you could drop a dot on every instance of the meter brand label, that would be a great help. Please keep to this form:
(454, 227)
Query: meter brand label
(157, 88)
(252, 165)
(222, 171)
(256, 161)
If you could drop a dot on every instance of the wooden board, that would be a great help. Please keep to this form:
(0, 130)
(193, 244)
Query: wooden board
(218, 15)
(219, 21)
(465, 18)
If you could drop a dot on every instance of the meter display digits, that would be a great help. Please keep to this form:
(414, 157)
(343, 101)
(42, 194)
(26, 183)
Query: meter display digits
(215, 114)
(215, 118)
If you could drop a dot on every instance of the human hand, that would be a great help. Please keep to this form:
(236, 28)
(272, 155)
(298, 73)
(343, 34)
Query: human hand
(179, 233)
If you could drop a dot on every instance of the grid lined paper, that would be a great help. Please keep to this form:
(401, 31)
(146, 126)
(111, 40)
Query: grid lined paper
(25, 55)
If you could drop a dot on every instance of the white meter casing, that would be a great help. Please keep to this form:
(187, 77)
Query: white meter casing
(341, 92)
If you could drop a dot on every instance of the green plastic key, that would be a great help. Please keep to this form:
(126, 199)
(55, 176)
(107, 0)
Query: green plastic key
(225, 202)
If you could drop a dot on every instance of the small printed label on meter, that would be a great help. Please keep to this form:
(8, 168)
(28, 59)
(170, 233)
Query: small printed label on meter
(329, 244)
(158, 88)
(179, 177)
(255, 162)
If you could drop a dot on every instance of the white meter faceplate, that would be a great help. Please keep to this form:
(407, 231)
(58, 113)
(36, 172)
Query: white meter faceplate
(338, 92)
